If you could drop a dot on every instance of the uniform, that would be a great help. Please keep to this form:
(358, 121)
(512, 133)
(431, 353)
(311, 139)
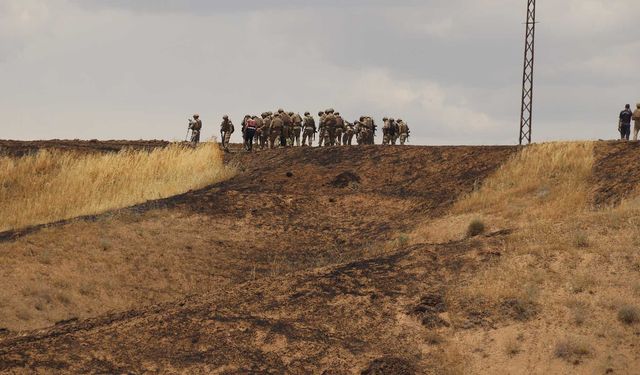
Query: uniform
(309, 129)
(275, 131)
(339, 129)
(226, 129)
(322, 129)
(347, 138)
(403, 130)
(636, 119)
(285, 137)
(330, 128)
(297, 128)
(196, 127)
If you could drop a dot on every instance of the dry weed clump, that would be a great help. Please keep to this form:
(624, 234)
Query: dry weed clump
(476, 228)
(629, 314)
(572, 349)
(54, 185)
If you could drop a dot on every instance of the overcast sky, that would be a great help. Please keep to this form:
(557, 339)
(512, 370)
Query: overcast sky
(452, 69)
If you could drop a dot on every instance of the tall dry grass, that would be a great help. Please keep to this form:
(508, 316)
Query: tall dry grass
(544, 181)
(55, 185)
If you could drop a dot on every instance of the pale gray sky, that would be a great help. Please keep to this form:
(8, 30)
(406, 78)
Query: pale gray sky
(130, 69)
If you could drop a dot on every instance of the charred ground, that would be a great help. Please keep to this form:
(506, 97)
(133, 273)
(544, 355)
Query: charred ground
(301, 266)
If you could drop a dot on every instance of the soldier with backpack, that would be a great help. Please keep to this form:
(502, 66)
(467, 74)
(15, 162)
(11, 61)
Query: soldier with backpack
(297, 128)
(226, 129)
(403, 130)
(309, 129)
(195, 126)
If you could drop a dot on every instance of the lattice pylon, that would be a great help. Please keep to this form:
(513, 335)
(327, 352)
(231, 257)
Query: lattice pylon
(526, 111)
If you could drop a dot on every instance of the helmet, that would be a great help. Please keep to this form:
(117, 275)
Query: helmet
(247, 116)
(320, 113)
(391, 120)
(361, 118)
(290, 113)
(196, 115)
(399, 120)
(281, 110)
(638, 105)
(337, 113)
(309, 114)
(331, 110)
(385, 118)
(270, 113)
(225, 117)
(627, 106)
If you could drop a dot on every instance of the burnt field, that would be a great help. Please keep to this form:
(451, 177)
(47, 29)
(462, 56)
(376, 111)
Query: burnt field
(308, 260)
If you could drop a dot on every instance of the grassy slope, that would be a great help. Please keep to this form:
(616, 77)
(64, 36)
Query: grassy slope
(571, 270)
(56, 185)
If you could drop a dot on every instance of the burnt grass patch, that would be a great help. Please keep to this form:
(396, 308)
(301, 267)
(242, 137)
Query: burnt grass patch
(428, 310)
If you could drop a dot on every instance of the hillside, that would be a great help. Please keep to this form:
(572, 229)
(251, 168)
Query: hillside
(344, 260)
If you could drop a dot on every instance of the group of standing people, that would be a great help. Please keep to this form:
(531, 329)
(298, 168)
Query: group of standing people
(624, 123)
(288, 129)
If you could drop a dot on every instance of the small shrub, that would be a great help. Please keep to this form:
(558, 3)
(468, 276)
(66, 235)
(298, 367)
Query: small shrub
(512, 347)
(433, 338)
(105, 244)
(580, 240)
(629, 314)
(572, 349)
(476, 228)
(403, 240)
(580, 314)
(581, 283)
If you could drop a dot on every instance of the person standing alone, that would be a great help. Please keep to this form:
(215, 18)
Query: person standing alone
(636, 119)
(624, 126)
(196, 126)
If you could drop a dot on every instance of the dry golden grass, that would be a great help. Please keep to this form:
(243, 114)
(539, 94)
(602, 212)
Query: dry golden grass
(52, 186)
(575, 266)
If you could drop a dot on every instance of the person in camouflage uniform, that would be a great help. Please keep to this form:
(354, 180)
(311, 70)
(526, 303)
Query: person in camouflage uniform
(347, 138)
(309, 129)
(226, 129)
(275, 131)
(370, 127)
(330, 122)
(263, 131)
(196, 126)
(297, 128)
(403, 131)
(322, 129)
(287, 128)
(339, 129)
(243, 130)
(395, 132)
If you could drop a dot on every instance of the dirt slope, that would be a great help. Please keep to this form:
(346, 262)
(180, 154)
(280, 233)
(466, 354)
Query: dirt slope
(616, 173)
(287, 213)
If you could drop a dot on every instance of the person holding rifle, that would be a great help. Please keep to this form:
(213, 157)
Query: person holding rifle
(195, 126)
(226, 129)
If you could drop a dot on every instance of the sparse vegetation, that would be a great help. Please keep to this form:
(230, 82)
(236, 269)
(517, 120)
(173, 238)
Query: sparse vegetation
(403, 240)
(433, 338)
(476, 228)
(629, 314)
(512, 346)
(572, 349)
(580, 240)
(54, 185)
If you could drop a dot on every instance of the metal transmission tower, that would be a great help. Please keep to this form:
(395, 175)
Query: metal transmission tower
(526, 110)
